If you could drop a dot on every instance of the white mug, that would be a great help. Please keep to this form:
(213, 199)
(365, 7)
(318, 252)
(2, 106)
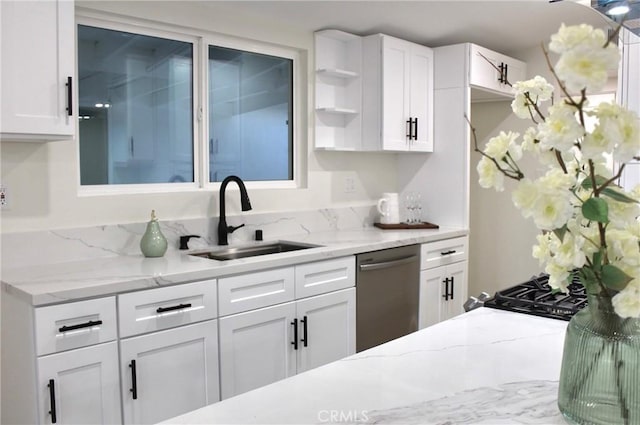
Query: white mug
(389, 208)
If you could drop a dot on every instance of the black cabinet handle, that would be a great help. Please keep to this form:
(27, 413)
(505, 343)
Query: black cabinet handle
(415, 133)
(305, 338)
(506, 73)
(451, 251)
(88, 324)
(295, 334)
(52, 398)
(69, 85)
(448, 294)
(134, 381)
(451, 287)
(173, 307)
(131, 149)
(409, 128)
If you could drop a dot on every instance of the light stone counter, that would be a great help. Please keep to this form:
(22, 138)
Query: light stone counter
(41, 284)
(483, 367)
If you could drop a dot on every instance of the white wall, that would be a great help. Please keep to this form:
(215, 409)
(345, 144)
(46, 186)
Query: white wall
(42, 179)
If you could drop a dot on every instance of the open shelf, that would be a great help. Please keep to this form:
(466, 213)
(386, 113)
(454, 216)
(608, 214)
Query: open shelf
(338, 73)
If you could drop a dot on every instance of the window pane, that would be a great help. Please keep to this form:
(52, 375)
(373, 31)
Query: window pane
(135, 108)
(250, 115)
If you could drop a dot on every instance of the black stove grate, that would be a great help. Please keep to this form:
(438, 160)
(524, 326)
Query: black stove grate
(536, 297)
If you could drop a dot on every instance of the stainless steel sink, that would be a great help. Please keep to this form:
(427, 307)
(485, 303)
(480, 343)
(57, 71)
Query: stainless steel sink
(253, 250)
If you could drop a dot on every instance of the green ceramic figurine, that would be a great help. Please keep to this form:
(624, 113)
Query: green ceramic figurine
(153, 242)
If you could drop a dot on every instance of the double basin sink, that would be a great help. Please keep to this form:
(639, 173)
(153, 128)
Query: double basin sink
(253, 250)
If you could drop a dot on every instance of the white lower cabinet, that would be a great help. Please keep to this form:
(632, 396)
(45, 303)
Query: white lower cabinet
(168, 373)
(443, 291)
(443, 280)
(80, 386)
(265, 345)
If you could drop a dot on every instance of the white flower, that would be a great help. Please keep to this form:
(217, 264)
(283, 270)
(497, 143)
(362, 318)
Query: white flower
(529, 93)
(623, 247)
(574, 36)
(489, 175)
(497, 147)
(585, 57)
(524, 196)
(542, 251)
(551, 211)
(561, 128)
(619, 128)
(587, 68)
(569, 252)
(558, 276)
(626, 303)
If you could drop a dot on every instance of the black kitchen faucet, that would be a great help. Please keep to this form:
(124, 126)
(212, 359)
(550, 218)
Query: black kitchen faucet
(223, 229)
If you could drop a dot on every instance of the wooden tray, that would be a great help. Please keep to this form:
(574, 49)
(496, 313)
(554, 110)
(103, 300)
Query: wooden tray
(422, 225)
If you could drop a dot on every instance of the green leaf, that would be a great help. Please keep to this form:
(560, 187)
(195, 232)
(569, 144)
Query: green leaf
(589, 280)
(617, 196)
(587, 183)
(597, 259)
(614, 278)
(560, 232)
(596, 209)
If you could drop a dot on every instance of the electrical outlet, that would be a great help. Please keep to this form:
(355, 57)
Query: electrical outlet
(4, 198)
(349, 185)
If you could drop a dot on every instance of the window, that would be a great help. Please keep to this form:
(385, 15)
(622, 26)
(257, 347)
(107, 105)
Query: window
(250, 111)
(138, 98)
(135, 108)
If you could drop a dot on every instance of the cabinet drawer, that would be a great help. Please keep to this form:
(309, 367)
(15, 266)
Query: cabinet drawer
(434, 254)
(255, 290)
(163, 308)
(79, 324)
(325, 276)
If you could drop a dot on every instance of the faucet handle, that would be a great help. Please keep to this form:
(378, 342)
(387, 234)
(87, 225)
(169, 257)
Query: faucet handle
(184, 241)
(231, 229)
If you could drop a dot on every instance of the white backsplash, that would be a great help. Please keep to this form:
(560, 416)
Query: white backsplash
(62, 245)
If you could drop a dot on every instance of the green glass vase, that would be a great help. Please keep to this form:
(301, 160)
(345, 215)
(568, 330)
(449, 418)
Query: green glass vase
(600, 375)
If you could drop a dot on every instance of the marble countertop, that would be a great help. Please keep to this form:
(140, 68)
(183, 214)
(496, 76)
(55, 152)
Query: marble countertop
(483, 367)
(73, 280)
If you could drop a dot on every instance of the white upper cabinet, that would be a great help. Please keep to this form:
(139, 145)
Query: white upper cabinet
(492, 72)
(338, 90)
(397, 95)
(37, 90)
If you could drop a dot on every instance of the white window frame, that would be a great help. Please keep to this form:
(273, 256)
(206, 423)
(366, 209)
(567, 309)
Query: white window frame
(201, 41)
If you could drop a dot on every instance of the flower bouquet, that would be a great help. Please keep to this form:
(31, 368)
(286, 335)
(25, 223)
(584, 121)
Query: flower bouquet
(589, 225)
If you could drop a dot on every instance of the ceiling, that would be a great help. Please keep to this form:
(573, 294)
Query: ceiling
(506, 26)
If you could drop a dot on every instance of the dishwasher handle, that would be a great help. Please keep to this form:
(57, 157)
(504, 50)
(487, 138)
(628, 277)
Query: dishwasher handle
(388, 264)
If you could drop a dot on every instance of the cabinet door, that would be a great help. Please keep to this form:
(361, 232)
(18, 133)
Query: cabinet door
(327, 328)
(86, 388)
(486, 74)
(256, 348)
(34, 94)
(457, 290)
(175, 371)
(396, 62)
(421, 98)
(431, 291)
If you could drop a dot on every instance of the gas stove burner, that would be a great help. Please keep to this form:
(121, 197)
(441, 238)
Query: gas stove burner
(536, 297)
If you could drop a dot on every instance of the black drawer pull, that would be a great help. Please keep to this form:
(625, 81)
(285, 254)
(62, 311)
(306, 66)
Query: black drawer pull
(173, 307)
(134, 382)
(452, 251)
(305, 337)
(295, 334)
(52, 398)
(89, 324)
(451, 287)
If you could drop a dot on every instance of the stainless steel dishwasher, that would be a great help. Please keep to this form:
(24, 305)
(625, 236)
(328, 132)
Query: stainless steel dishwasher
(387, 289)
